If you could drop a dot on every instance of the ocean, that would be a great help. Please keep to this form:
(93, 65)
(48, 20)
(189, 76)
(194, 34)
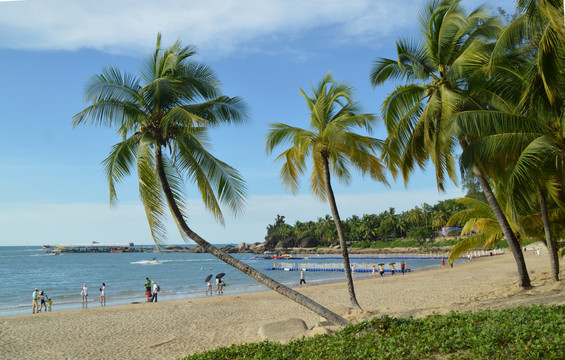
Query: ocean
(179, 275)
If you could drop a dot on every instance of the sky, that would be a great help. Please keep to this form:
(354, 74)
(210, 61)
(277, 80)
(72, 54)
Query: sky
(52, 187)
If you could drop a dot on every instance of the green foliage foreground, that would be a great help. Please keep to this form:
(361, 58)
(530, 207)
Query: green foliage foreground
(534, 332)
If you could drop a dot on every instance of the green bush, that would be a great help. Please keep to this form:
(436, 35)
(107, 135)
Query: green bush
(534, 332)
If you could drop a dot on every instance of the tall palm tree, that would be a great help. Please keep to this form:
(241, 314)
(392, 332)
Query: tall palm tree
(418, 115)
(163, 118)
(527, 67)
(479, 221)
(540, 30)
(333, 148)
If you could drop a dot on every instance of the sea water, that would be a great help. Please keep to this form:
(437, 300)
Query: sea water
(179, 275)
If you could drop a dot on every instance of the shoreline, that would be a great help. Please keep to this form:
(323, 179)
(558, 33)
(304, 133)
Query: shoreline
(176, 328)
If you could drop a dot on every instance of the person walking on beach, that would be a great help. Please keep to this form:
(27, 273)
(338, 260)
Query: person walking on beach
(103, 295)
(209, 288)
(49, 303)
(374, 267)
(391, 268)
(84, 294)
(381, 270)
(217, 285)
(221, 287)
(442, 262)
(155, 290)
(148, 289)
(43, 303)
(302, 279)
(403, 267)
(34, 298)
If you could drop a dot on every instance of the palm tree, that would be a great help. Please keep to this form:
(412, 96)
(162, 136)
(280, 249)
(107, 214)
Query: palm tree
(333, 148)
(418, 115)
(539, 30)
(479, 221)
(526, 67)
(163, 118)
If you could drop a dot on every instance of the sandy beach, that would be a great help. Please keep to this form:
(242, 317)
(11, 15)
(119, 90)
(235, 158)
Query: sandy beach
(173, 329)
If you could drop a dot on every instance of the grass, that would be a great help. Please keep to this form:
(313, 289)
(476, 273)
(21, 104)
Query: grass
(535, 332)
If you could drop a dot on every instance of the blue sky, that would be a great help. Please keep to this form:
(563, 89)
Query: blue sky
(52, 188)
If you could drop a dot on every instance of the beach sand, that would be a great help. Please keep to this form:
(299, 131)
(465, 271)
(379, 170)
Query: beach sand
(173, 329)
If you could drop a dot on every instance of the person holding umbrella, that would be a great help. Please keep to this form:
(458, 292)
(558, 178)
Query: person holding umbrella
(219, 283)
(209, 283)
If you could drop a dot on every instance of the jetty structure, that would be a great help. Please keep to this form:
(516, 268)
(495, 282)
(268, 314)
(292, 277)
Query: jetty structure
(366, 267)
(94, 247)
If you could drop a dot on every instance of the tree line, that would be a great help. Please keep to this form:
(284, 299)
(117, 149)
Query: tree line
(422, 223)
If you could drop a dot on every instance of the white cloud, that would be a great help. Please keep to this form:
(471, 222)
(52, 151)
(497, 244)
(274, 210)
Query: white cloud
(220, 26)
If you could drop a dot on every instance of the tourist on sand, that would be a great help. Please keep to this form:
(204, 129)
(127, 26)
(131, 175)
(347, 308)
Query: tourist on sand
(381, 270)
(391, 268)
(221, 285)
(538, 252)
(217, 285)
(403, 267)
(302, 279)
(442, 262)
(34, 297)
(49, 303)
(374, 267)
(43, 303)
(103, 295)
(155, 290)
(209, 288)
(148, 289)
(84, 294)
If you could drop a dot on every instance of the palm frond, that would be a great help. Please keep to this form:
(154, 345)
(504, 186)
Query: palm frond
(118, 164)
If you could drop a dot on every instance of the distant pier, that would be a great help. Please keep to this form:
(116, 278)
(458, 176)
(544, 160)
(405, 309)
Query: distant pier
(93, 248)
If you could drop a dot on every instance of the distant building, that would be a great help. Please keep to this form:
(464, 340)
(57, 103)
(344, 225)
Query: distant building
(450, 231)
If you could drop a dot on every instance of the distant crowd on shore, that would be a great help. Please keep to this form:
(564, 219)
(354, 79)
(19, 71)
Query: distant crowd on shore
(391, 268)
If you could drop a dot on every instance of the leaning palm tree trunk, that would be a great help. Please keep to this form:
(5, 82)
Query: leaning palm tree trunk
(551, 248)
(225, 257)
(523, 277)
(342, 243)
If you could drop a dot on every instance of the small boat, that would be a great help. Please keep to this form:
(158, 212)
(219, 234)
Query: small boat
(55, 252)
(117, 251)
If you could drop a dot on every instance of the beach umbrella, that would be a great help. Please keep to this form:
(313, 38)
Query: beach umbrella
(208, 277)
(381, 263)
(220, 275)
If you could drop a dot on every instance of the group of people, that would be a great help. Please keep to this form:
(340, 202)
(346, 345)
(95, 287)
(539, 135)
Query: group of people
(219, 286)
(151, 290)
(40, 300)
(381, 269)
(84, 295)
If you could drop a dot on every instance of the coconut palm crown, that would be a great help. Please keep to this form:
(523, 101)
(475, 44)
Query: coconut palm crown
(435, 71)
(333, 148)
(170, 107)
